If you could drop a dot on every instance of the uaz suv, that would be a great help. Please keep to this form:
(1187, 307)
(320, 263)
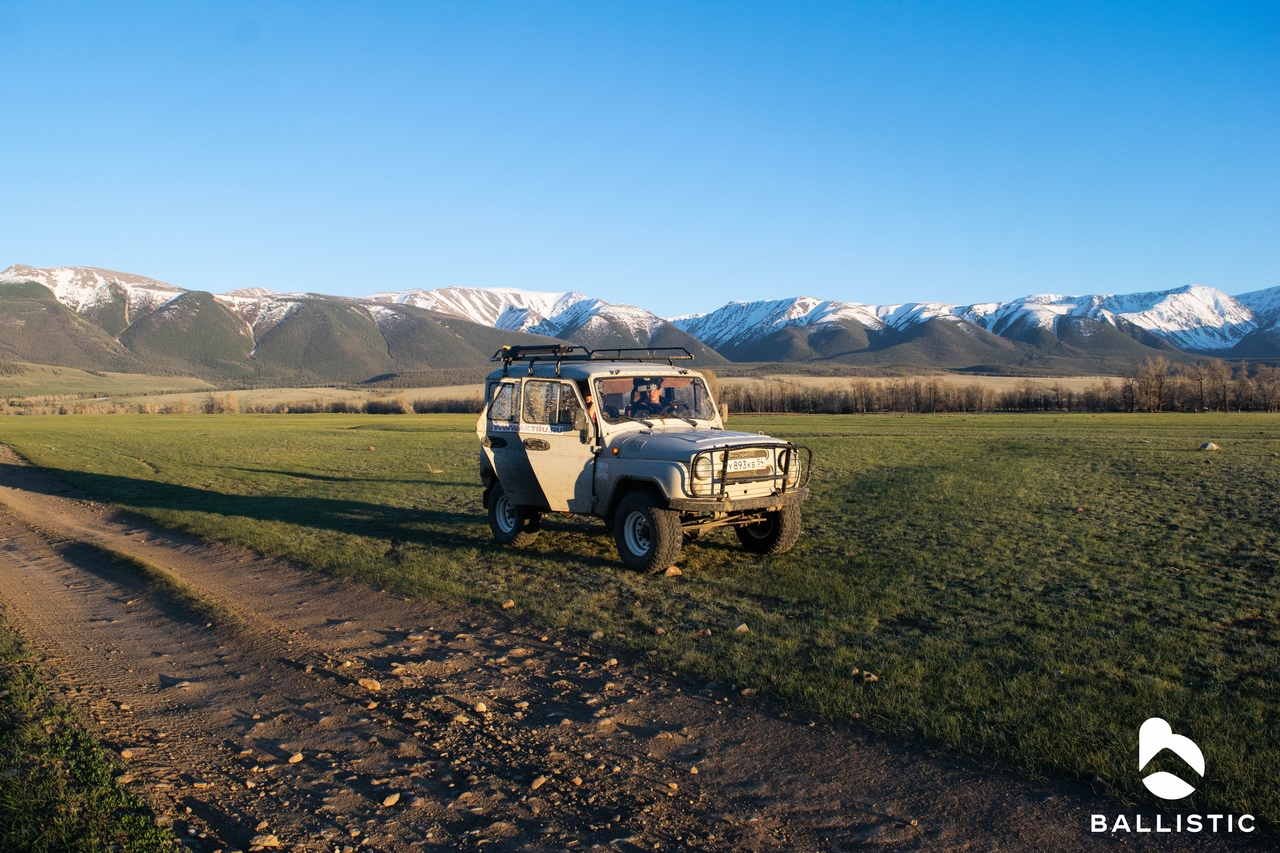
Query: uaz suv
(628, 436)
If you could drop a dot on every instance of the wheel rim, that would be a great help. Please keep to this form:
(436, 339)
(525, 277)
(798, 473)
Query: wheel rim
(759, 530)
(504, 514)
(638, 533)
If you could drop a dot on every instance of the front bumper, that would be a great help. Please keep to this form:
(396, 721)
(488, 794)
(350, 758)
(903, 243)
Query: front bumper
(763, 502)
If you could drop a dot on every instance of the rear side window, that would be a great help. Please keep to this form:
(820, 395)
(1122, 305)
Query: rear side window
(504, 404)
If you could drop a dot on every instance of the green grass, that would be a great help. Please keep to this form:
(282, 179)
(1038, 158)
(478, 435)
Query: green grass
(40, 380)
(57, 788)
(1028, 589)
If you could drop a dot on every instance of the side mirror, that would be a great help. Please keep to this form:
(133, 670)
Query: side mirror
(724, 412)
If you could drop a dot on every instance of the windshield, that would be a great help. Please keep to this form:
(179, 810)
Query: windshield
(624, 398)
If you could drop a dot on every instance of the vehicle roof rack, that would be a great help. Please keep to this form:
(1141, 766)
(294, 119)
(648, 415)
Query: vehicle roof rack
(572, 352)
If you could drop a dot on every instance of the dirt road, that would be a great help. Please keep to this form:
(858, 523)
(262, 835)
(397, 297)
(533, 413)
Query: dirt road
(322, 715)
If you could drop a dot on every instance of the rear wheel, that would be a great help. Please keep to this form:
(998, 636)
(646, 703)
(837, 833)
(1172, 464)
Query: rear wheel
(648, 534)
(775, 535)
(512, 524)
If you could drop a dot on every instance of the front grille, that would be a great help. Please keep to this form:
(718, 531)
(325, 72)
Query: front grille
(762, 468)
(764, 472)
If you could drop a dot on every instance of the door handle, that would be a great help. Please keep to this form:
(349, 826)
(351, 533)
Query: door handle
(536, 444)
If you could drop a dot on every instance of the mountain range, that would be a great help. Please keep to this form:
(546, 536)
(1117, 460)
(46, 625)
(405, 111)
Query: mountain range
(97, 319)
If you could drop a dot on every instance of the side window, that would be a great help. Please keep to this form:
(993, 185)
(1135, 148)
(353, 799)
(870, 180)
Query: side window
(570, 412)
(503, 407)
(552, 404)
(539, 402)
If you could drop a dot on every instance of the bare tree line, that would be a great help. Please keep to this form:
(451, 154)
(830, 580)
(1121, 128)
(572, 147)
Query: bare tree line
(1154, 385)
(229, 404)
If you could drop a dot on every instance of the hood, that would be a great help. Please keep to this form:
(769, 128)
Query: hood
(680, 445)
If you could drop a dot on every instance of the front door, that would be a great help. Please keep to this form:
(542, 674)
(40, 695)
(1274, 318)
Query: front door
(557, 438)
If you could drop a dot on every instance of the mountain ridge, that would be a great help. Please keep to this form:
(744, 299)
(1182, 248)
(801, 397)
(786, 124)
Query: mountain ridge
(1193, 318)
(256, 334)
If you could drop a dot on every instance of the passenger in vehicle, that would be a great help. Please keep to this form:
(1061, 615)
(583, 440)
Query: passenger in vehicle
(593, 417)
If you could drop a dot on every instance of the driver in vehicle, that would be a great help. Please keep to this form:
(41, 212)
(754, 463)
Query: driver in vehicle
(646, 399)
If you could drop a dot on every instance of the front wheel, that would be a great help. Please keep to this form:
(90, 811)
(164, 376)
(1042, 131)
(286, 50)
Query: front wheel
(512, 524)
(647, 534)
(776, 534)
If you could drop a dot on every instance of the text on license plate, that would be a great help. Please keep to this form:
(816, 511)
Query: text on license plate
(750, 464)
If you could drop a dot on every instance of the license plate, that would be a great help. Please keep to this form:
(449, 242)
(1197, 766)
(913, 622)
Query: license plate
(750, 464)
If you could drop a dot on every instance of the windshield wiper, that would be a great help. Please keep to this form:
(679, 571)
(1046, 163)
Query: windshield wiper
(676, 414)
(666, 415)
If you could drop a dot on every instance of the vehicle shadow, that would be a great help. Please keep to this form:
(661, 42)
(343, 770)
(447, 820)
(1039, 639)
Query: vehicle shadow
(126, 581)
(423, 524)
(462, 526)
(334, 478)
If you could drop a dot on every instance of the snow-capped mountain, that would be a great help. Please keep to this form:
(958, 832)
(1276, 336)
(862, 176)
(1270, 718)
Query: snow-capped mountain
(500, 307)
(740, 322)
(448, 326)
(1194, 318)
(260, 309)
(1191, 318)
(86, 290)
(92, 291)
(566, 315)
(1265, 306)
(95, 292)
(512, 309)
(908, 314)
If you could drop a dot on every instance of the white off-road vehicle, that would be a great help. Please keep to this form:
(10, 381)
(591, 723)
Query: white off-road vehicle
(620, 435)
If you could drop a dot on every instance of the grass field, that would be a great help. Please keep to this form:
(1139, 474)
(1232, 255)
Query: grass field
(19, 379)
(995, 383)
(266, 397)
(1027, 589)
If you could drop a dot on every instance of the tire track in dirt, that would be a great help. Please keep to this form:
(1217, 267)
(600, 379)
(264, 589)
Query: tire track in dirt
(475, 735)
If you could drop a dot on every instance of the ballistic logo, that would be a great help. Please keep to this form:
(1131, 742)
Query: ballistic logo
(1154, 737)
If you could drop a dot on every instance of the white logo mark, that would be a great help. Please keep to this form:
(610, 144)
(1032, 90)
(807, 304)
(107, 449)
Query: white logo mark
(1156, 736)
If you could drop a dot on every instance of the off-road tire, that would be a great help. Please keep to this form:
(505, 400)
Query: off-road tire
(512, 524)
(779, 531)
(648, 534)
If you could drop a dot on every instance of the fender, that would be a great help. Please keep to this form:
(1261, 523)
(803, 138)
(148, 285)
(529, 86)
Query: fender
(626, 486)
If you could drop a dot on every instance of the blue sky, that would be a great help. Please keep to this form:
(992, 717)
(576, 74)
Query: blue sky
(670, 155)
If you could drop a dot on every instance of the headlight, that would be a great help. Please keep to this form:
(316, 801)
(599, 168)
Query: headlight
(790, 458)
(702, 468)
